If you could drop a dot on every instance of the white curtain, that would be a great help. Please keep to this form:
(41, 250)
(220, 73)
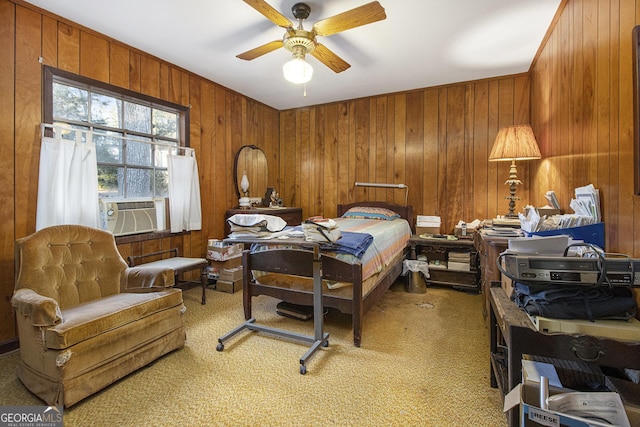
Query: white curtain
(67, 183)
(185, 212)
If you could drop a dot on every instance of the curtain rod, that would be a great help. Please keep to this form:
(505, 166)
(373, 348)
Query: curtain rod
(134, 138)
(386, 185)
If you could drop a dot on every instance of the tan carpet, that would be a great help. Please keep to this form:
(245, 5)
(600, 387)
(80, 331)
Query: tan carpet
(423, 362)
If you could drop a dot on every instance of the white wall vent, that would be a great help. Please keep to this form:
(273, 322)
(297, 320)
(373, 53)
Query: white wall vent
(131, 217)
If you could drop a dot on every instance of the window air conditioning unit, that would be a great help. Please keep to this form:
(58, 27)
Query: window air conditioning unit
(123, 217)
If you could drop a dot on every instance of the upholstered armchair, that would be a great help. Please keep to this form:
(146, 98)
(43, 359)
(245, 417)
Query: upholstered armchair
(84, 318)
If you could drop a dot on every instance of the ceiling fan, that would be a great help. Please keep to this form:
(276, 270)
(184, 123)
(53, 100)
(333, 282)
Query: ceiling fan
(301, 42)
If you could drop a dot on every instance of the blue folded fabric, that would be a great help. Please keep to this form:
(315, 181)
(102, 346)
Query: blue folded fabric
(355, 244)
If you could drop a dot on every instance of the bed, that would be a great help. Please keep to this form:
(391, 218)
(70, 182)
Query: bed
(351, 286)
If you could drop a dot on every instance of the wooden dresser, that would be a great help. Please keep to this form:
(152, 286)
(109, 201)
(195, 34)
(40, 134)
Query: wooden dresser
(489, 247)
(292, 216)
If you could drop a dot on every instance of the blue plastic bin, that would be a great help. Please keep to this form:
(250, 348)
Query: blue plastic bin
(593, 233)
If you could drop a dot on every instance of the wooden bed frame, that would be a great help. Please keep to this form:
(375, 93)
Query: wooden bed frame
(332, 269)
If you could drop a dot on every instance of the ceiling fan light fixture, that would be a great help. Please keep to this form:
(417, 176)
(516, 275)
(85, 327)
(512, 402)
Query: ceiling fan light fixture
(297, 70)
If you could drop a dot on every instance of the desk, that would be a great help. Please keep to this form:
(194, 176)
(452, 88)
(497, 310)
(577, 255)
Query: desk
(512, 334)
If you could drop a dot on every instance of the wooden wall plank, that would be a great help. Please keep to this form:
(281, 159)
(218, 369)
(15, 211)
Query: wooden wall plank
(7, 167)
(150, 76)
(414, 140)
(68, 48)
(118, 65)
(344, 172)
(399, 144)
(28, 95)
(481, 150)
(94, 57)
(49, 41)
(624, 221)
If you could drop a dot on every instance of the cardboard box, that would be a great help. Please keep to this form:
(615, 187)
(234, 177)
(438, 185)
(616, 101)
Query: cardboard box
(457, 231)
(230, 274)
(427, 230)
(426, 224)
(229, 286)
(630, 394)
(228, 264)
(545, 211)
(213, 271)
(220, 251)
(526, 395)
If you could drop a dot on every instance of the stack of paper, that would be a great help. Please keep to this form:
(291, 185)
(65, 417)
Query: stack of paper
(587, 202)
(552, 199)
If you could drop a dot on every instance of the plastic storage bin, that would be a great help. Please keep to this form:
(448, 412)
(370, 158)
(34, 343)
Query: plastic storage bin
(593, 233)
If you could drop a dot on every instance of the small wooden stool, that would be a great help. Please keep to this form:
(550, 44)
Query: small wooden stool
(176, 263)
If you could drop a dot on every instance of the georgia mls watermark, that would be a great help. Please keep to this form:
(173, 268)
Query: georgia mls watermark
(31, 416)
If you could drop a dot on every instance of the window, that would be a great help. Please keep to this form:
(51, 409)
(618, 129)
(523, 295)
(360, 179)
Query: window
(133, 133)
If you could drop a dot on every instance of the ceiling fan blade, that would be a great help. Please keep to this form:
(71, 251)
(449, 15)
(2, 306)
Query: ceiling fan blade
(270, 13)
(330, 59)
(365, 14)
(260, 50)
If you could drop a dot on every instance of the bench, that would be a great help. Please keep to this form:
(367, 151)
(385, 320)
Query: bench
(176, 263)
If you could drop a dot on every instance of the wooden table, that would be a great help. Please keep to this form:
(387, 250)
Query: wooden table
(295, 267)
(512, 334)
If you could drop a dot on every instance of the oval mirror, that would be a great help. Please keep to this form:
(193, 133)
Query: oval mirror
(252, 161)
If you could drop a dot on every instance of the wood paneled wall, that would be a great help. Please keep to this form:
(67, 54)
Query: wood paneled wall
(221, 121)
(582, 113)
(435, 140)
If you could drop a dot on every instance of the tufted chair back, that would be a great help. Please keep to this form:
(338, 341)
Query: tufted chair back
(70, 263)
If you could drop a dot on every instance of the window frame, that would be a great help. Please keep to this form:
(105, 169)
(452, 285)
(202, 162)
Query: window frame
(51, 74)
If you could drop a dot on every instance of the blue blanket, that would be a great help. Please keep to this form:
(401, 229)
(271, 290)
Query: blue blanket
(355, 244)
(351, 243)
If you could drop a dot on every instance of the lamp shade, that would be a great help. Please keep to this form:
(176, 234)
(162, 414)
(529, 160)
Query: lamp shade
(244, 182)
(515, 143)
(297, 70)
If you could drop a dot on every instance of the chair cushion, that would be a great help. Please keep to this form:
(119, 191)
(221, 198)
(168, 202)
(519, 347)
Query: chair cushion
(89, 319)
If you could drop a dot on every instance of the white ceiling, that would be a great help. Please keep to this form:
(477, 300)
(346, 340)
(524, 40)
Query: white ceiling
(422, 43)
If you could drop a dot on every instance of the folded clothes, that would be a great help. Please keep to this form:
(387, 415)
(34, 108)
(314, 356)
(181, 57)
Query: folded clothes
(319, 234)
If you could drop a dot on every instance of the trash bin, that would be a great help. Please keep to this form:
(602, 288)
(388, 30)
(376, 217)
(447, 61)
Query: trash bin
(416, 273)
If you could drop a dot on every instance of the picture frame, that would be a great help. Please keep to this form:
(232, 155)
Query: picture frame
(267, 197)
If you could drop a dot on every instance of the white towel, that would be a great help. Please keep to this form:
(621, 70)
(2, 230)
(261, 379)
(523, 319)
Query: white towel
(269, 222)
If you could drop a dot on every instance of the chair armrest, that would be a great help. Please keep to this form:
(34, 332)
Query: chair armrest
(141, 278)
(43, 311)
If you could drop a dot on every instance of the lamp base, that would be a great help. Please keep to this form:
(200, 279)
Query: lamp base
(244, 202)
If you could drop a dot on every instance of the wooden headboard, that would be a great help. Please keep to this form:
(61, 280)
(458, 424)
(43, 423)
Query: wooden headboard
(405, 212)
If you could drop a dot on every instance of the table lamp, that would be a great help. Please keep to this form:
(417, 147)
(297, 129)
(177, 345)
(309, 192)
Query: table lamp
(514, 143)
